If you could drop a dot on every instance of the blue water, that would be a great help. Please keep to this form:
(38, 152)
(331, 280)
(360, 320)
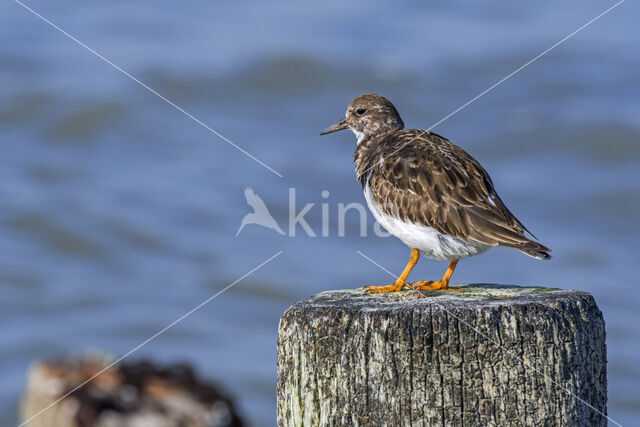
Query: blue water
(119, 213)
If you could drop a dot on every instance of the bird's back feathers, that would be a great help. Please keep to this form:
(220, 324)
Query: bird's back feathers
(421, 177)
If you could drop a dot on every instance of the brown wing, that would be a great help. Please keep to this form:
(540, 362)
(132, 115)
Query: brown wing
(423, 178)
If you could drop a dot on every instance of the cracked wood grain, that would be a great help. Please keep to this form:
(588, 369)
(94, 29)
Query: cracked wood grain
(346, 358)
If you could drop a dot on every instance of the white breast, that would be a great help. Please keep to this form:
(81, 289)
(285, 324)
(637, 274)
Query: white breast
(426, 239)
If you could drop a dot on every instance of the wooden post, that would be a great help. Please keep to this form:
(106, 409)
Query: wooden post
(488, 355)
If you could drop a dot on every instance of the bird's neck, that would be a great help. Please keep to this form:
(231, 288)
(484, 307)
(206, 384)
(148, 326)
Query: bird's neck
(368, 152)
(360, 136)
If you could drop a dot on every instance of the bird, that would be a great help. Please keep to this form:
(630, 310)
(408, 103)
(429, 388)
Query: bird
(429, 193)
(260, 215)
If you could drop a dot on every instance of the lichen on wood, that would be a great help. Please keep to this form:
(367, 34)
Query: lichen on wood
(488, 355)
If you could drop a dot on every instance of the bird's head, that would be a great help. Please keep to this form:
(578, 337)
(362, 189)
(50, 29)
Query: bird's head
(368, 115)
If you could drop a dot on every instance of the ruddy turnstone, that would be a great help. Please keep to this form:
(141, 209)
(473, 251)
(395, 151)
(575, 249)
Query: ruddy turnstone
(427, 192)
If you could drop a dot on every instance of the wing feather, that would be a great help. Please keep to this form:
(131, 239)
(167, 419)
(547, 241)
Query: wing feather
(423, 178)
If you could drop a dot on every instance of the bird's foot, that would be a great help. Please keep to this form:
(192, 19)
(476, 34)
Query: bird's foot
(430, 285)
(394, 287)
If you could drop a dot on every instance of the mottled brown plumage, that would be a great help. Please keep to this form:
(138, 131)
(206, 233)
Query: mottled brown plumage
(420, 178)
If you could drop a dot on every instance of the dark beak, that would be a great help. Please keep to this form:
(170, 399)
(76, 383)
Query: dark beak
(340, 125)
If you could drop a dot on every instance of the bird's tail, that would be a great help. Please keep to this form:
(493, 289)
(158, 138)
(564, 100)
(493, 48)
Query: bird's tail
(534, 249)
(241, 227)
(493, 232)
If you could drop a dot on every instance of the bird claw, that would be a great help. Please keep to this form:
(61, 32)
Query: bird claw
(394, 287)
(430, 285)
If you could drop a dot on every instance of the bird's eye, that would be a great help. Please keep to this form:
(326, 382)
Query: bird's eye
(360, 111)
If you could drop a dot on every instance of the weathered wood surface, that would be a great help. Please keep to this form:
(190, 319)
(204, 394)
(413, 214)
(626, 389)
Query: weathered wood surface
(488, 355)
(131, 394)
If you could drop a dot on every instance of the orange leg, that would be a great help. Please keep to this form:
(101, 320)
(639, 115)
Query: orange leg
(442, 285)
(400, 281)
